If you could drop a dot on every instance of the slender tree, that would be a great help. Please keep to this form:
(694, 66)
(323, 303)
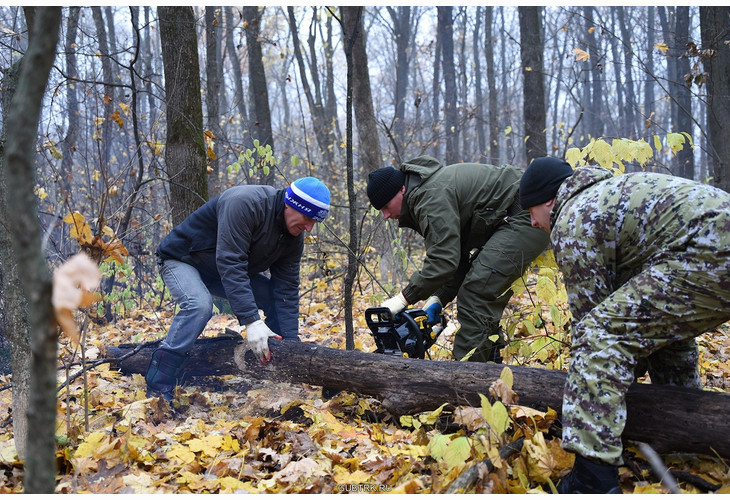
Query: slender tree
(362, 99)
(715, 26)
(684, 120)
(213, 74)
(258, 90)
(531, 47)
(446, 30)
(22, 119)
(493, 154)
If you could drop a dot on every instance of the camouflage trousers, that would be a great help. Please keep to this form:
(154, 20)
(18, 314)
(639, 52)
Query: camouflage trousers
(650, 321)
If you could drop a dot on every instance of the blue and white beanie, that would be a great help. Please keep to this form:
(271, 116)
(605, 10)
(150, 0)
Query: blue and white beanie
(310, 197)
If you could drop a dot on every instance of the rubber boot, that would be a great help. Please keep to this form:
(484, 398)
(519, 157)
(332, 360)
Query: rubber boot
(590, 477)
(163, 373)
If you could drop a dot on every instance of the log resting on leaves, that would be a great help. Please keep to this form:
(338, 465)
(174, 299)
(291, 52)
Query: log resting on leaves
(666, 417)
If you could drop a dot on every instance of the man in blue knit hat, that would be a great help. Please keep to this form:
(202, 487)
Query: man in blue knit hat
(223, 249)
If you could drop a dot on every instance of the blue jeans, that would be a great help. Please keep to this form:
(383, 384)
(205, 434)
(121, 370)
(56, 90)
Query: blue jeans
(195, 298)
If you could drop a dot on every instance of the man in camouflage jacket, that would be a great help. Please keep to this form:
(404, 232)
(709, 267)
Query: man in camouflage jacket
(646, 263)
(478, 241)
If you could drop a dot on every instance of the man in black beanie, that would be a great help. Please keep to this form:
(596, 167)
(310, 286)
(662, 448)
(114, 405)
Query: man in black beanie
(478, 242)
(645, 259)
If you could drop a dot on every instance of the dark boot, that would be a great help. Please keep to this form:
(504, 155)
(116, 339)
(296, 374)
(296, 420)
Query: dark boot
(163, 373)
(590, 477)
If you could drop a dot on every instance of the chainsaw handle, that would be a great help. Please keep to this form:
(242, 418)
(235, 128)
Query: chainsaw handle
(377, 317)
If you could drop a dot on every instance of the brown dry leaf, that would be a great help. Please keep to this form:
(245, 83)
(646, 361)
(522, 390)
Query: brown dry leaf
(501, 391)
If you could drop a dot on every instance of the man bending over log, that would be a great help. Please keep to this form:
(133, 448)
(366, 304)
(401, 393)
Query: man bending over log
(478, 241)
(646, 262)
(222, 249)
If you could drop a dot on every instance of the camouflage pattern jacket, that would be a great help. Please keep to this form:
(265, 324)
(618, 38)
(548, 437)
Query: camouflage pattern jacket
(607, 229)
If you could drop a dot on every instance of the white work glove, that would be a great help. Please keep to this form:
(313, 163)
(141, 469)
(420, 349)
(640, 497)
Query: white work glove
(258, 335)
(395, 304)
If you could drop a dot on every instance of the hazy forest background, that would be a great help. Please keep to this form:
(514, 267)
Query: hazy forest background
(148, 112)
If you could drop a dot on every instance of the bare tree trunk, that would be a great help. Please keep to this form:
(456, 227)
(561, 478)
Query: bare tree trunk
(595, 104)
(238, 96)
(401, 17)
(72, 104)
(316, 106)
(715, 26)
(649, 85)
(531, 46)
(22, 129)
(437, 118)
(351, 22)
(631, 99)
(184, 152)
(479, 105)
(685, 123)
(108, 98)
(362, 100)
(451, 125)
(260, 111)
(17, 321)
(493, 151)
(213, 74)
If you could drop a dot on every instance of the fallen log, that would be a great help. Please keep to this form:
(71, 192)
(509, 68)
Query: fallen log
(670, 419)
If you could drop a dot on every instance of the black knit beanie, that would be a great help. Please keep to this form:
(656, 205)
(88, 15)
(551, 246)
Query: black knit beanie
(542, 179)
(383, 185)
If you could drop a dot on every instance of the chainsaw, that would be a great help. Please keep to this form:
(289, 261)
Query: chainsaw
(408, 334)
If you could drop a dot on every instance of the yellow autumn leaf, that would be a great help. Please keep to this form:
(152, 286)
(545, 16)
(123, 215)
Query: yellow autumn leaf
(181, 453)
(507, 376)
(662, 46)
(457, 452)
(675, 141)
(209, 445)
(541, 462)
(91, 443)
(125, 108)
(546, 290)
(98, 120)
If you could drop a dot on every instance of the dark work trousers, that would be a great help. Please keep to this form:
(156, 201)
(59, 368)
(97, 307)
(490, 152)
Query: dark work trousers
(485, 291)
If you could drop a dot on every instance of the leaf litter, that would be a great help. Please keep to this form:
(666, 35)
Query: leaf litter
(232, 435)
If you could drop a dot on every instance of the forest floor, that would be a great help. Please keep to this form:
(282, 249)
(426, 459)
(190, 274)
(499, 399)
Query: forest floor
(231, 435)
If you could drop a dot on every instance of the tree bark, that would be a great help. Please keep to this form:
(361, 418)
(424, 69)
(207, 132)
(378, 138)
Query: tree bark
(715, 26)
(213, 75)
(402, 25)
(316, 105)
(17, 320)
(238, 95)
(531, 47)
(493, 151)
(684, 120)
(260, 110)
(184, 151)
(362, 99)
(22, 129)
(451, 125)
(664, 416)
